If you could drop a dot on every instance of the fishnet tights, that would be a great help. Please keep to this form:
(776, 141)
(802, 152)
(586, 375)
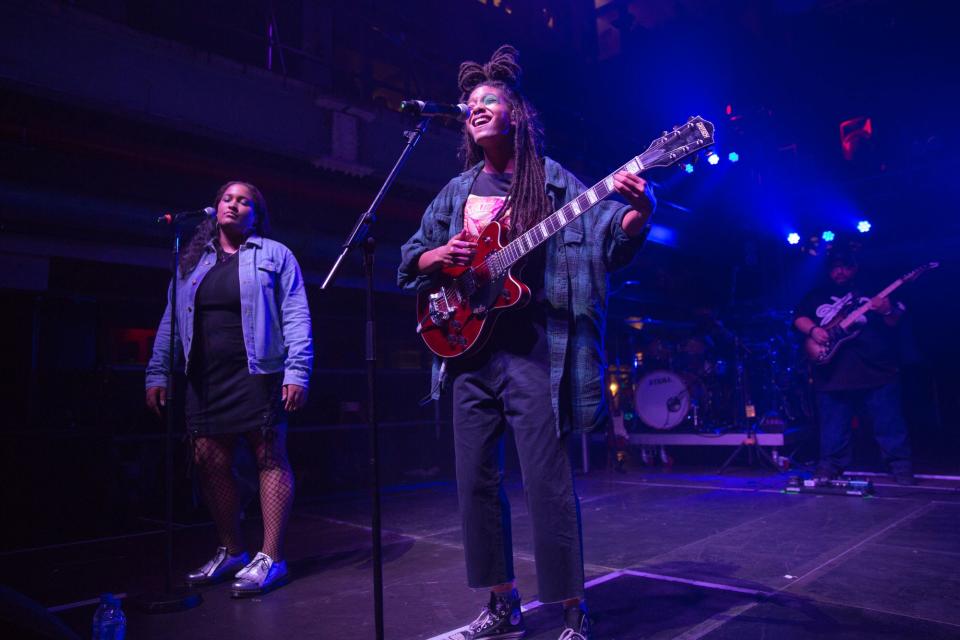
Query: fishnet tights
(214, 459)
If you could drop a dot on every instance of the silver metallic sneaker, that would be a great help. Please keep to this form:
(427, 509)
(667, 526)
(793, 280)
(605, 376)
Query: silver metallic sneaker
(260, 576)
(219, 567)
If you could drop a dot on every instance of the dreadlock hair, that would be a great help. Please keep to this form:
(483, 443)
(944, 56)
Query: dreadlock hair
(527, 196)
(209, 229)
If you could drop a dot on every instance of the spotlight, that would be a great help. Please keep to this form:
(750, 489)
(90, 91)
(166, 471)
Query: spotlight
(793, 238)
(733, 156)
(688, 168)
(713, 158)
(863, 226)
(828, 236)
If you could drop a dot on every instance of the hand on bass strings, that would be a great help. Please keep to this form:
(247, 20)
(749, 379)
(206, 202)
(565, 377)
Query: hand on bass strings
(457, 252)
(156, 399)
(881, 304)
(820, 335)
(293, 396)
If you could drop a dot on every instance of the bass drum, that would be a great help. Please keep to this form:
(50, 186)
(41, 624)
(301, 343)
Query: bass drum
(662, 399)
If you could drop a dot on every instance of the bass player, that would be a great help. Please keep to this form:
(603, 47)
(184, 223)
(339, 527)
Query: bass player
(863, 374)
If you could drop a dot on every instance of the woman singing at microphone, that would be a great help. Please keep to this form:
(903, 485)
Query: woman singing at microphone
(244, 326)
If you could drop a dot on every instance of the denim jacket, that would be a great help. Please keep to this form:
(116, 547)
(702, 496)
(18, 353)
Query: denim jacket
(274, 314)
(579, 260)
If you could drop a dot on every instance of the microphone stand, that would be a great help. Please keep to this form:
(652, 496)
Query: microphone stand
(360, 235)
(170, 600)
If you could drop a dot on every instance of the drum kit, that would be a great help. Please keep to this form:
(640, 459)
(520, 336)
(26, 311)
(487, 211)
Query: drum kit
(708, 375)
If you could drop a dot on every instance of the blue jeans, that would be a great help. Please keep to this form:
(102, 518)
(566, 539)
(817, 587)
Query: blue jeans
(837, 408)
(492, 391)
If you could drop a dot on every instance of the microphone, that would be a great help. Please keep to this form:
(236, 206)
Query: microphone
(433, 109)
(170, 218)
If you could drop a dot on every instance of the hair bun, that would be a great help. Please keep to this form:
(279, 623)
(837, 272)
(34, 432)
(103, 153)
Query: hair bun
(503, 67)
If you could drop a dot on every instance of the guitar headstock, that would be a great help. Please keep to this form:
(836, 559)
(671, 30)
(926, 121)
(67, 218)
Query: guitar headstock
(919, 271)
(676, 145)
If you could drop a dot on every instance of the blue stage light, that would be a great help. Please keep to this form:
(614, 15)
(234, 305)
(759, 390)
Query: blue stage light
(828, 236)
(863, 226)
(733, 156)
(793, 238)
(713, 158)
(688, 168)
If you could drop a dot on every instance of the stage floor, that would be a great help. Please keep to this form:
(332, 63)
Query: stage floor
(668, 555)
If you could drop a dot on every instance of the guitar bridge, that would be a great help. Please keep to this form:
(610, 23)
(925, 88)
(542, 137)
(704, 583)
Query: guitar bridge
(439, 306)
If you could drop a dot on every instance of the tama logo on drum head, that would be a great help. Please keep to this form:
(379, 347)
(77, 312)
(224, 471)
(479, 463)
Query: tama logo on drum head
(663, 380)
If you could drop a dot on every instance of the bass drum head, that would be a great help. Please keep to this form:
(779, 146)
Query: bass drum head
(661, 399)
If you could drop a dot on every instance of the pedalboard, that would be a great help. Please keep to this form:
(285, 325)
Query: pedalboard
(843, 487)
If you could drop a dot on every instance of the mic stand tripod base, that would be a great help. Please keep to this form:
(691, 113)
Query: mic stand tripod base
(754, 451)
(173, 601)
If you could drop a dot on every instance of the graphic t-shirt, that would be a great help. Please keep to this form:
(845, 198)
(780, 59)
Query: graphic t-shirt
(514, 330)
(869, 360)
(485, 203)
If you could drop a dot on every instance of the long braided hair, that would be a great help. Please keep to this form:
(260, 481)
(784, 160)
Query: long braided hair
(209, 229)
(527, 195)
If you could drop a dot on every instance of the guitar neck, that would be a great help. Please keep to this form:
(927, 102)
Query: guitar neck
(862, 309)
(549, 226)
(665, 151)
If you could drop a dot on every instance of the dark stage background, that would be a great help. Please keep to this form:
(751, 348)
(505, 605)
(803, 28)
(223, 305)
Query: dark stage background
(113, 112)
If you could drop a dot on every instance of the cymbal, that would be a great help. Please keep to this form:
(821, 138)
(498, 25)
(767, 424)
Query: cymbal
(643, 322)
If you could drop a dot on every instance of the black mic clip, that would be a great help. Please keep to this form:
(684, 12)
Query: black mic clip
(173, 218)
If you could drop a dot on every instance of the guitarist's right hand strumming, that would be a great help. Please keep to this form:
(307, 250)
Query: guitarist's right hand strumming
(820, 335)
(458, 251)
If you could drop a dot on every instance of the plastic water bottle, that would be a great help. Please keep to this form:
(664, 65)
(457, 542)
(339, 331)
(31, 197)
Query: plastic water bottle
(109, 623)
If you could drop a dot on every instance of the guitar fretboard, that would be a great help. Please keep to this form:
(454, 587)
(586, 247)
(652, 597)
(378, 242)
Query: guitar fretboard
(865, 307)
(662, 152)
(542, 231)
(862, 309)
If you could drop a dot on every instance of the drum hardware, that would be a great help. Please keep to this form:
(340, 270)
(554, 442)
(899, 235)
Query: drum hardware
(716, 379)
(745, 418)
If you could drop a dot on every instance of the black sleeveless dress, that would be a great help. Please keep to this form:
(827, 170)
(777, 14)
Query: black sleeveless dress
(222, 395)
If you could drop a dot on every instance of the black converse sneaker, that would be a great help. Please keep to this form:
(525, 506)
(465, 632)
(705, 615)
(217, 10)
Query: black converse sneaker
(576, 623)
(501, 619)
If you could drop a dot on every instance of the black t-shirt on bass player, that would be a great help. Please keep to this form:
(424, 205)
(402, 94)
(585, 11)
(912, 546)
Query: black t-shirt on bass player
(869, 360)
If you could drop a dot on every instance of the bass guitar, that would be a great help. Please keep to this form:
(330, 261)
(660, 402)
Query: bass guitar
(842, 327)
(457, 314)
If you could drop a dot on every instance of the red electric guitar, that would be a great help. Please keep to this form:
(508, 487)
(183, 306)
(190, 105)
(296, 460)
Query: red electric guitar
(457, 315)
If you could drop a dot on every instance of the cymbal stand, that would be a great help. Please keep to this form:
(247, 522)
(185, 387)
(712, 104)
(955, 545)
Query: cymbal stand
(743, 422)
